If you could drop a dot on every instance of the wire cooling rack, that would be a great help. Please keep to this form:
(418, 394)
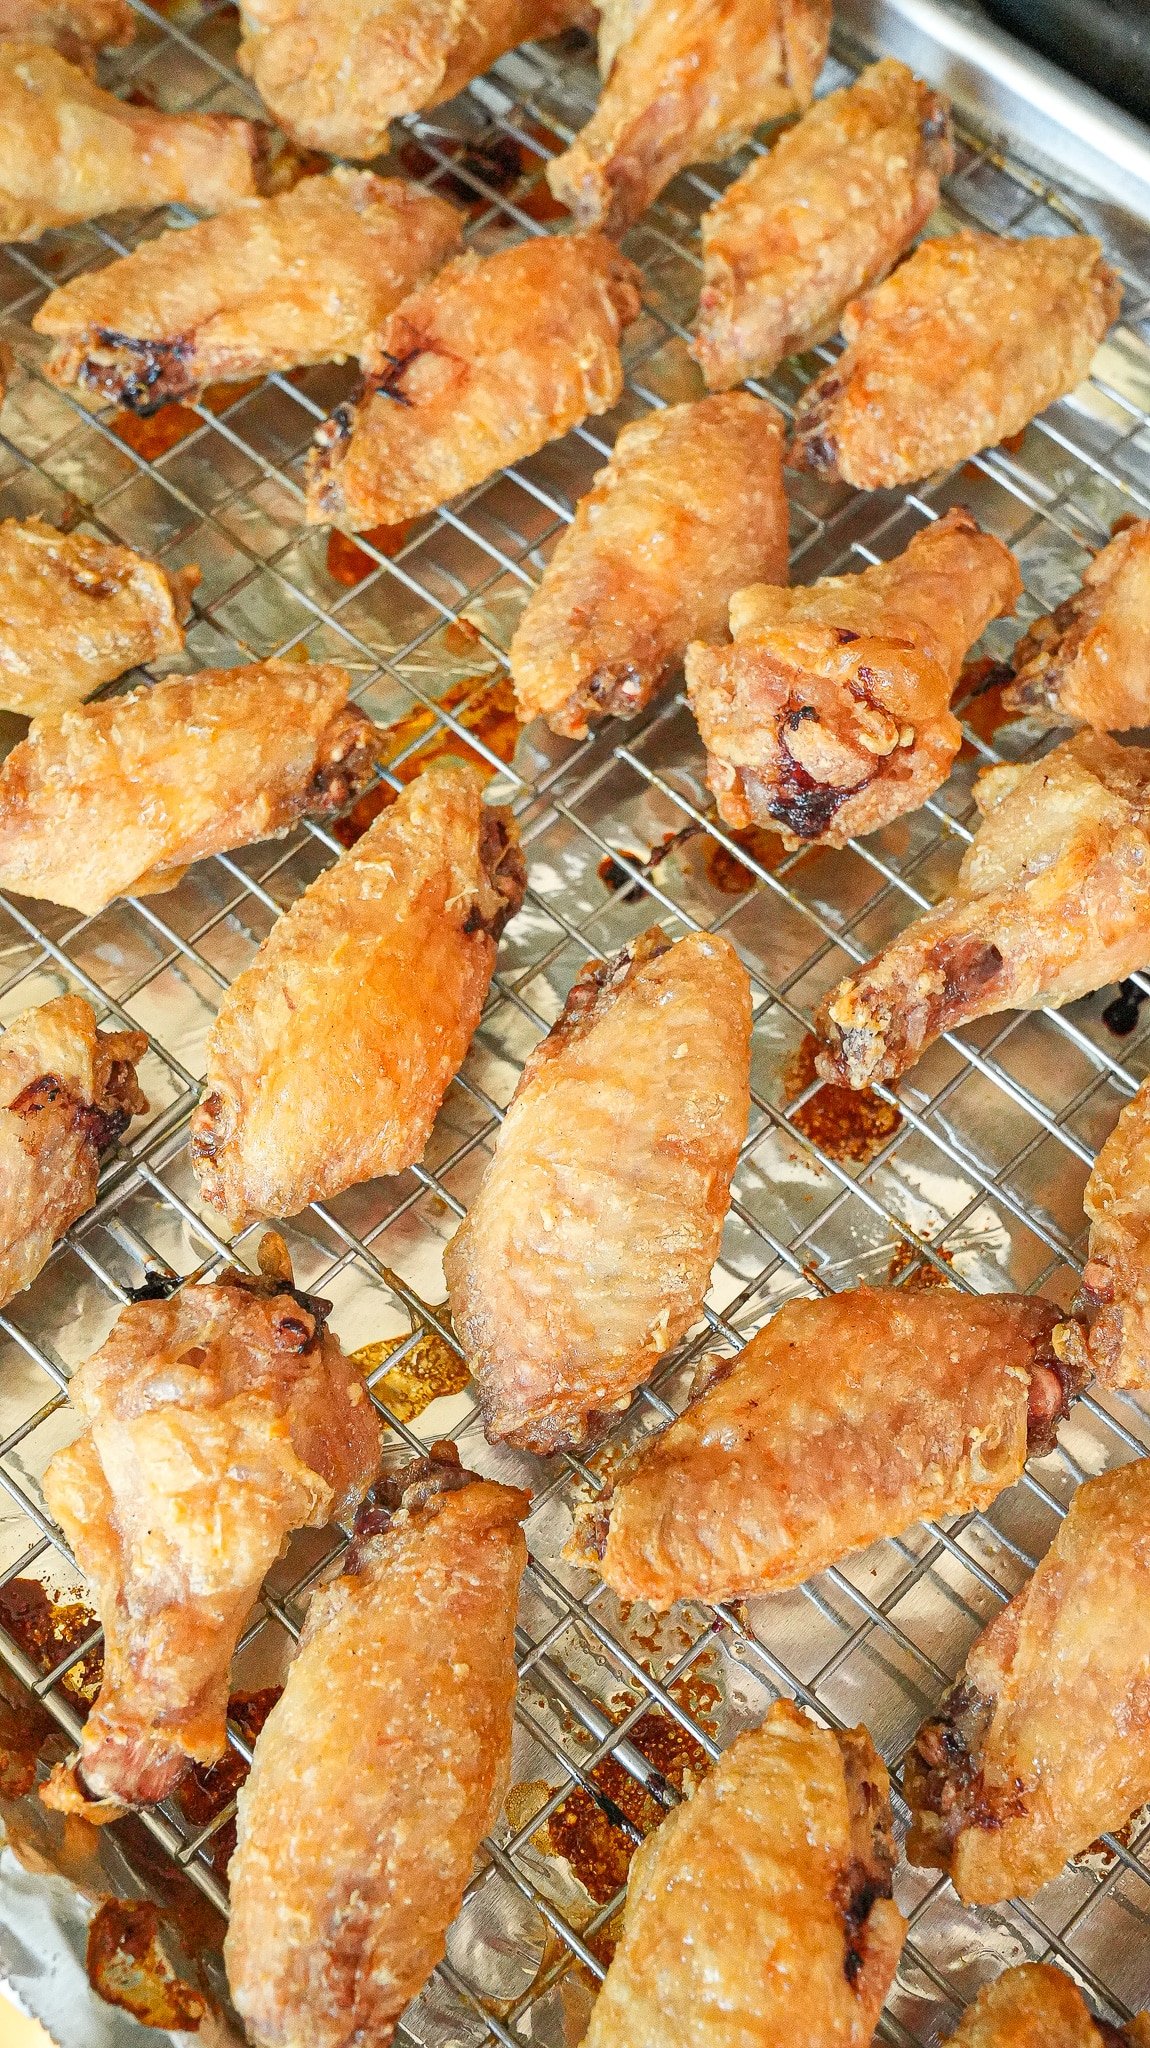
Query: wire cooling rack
(973, 1174)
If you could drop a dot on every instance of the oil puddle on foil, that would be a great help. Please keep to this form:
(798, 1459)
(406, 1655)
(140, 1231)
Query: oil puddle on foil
(349, 563)
(501, 162)
(484, 705)
(49, 1630)
(424, 1374)
(170, 424)
(731, 876)
(848, 1124)
(128, 1967)
(209, 1788)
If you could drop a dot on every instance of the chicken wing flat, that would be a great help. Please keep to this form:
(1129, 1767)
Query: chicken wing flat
(826, 214)
(687, 82)
(1043, 1742)
(690, 508)
(1049, 903)
(215, 1423)
(830, 713)
(332, 1052)
(72, 151)
(495, 357)
(78, 29)
(1089, 662)
(761, 1910)
(118, 798)
(66, 1092)
(1110, 1330)
(1037, 2006)
(843, 1420)
(396, 1717)
(972, 336)
(588, 1249)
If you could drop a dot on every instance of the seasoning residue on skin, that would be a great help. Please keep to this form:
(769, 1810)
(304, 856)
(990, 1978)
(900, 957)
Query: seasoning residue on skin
(430, 1370)
(846, 1123)
(484, 705)
(128, 1968)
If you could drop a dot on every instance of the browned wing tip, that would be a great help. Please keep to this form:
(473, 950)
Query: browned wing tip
(587, 1543)
(812, 444)
(504, 871)
(1059, 1370)
(869, 1875)
(325, 504)
(942, 1778)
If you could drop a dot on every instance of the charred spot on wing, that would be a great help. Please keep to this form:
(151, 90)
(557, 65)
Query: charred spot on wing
(796, 800)
(143, 375)
(406, 1490)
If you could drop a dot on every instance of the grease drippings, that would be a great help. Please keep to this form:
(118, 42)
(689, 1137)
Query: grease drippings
(1121, 1014)
(922, 1274)
(728, 874)
(484, 705)
(978, 699)
(430, 1370)
(170, 424)
(349, 563)
(209, 1788)
(504, 163)
(848, 1124)
(128, 1968)
(49, 1630)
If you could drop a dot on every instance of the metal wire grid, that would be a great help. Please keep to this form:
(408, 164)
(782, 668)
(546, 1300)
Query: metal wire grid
(981, 1181)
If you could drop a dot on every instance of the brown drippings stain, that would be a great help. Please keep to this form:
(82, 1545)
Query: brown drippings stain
(128, 1968)
(25, 1727)
(349, 564)
(904, 1259)
(430, 1370)
(487, 710)
(171, 424)
(614, 875)
(978, 699)
(49, 1630)
(728, 874)
(847, 1123)
(502, 162)
(208, 1788)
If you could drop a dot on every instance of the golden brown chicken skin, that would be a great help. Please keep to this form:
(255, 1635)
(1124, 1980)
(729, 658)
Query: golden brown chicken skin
(1110, 1331)
(1037, 2006)
(690, 508)
(844, 1420)
(972, 337)
(688, 81)
(332, 1052)
(1088, 663)
(761, 1910)
(495, 357)
(829, 715)
(215, 1423)
(1050, 902)
(826, 214)
(78, 29)
(383, 1765)
(588, 1250)
(118, 798)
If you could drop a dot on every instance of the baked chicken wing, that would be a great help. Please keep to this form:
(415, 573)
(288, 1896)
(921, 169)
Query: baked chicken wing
(1049, 903)
(829, 715)
(844, 1420)
(66, 1092)
(215, 1423)
(826, 214)
(687, 82)
(118, 798)
(395, 1727)
(761, 1910)
(78, 29)
(690, 508)
(495, 357)
(972, 336)
(72, 151)
(1043, 1744)
(1088, 663)
(1037, 2006)
(1110, 1330)
(332, 1052)
(588, 1249)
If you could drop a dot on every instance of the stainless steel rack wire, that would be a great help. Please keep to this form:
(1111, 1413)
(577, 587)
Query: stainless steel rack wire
(972, 1173)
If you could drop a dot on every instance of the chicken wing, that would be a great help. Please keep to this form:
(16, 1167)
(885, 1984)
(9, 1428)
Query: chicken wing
(588, 1249)
(118, 798)
(331, 1054)
(687, 82)
(1043, 1742)
(396, 1723)
(77, 612)
(761, 1910)
(72, 151)
(66, 1092)
(830, 714)
(826, 214)
(690, 507)
(1049, 903)
(1037, 2006)
(972, 336)
(78, 29)
(215, 1423)
(1089, 662)
(844, 1420)
(1110, 1330)
(495, 357)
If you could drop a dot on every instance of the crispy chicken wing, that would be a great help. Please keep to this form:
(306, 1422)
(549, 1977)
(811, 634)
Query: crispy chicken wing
(496, 356)
(1110, 1330)
(830, 714)
(826, 214)
(382, 1766)
(331, 1054)
(690, 507)
(214, 1424)
(118, 798)
(78, 29)
(1051, 901)
(687, 81)
(1089, 662)
(843, 1420)
(1037, 2006)
(972, 336)
(761, 1910)
(588, 1249)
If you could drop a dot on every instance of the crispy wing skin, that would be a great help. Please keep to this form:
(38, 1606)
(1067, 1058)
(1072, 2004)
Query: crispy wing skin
(1043, 1742)
(214, 1424)
(331, 1054)
(78, 29)
(1049, 903)
(588, 1250)
(826, 214)
(972, 336)
(396, 1718)
(72, 151)
(829, 715)
(690, 508)
(761, 1910)
(686, 83)
(844, 1420)
(1037, 2006)
(1111, 1328)
(302, 278)
(1089, 662)
(496, 356)
(118, 798)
